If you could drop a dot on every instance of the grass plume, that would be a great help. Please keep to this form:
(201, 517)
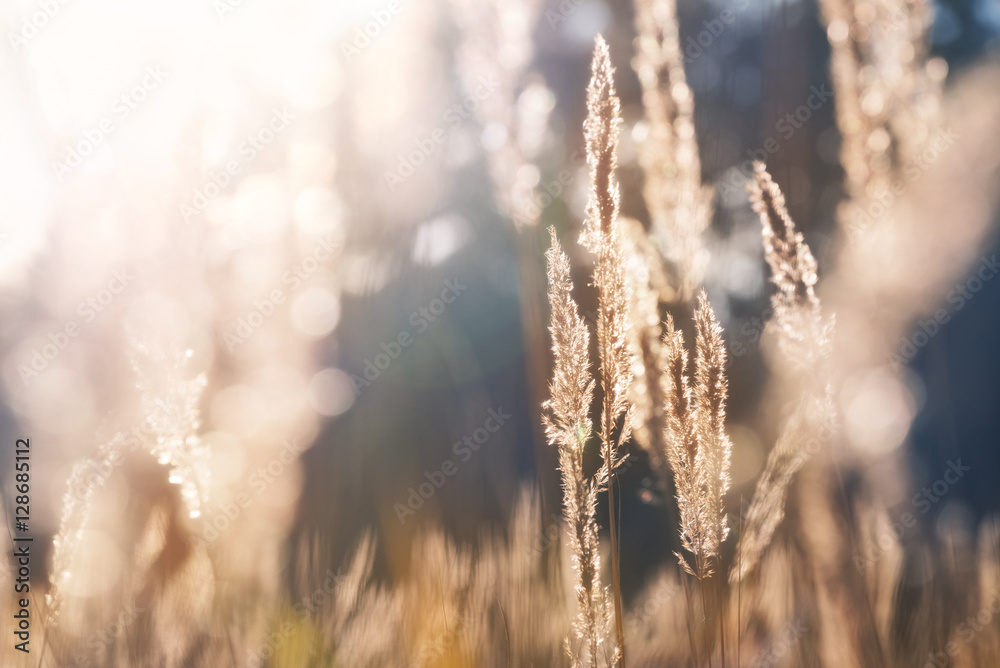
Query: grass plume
(887, 94)
(680, 205)
(568, 426)
(698, 448)
(602, 235)
(805, 339)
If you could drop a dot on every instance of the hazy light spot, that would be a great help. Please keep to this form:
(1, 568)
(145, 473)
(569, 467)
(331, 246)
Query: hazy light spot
(439, 239)
(331, 392)
(366, 273)
(494, 137)
(837, 31)
(879, 409)
(537, 99)
(315, 312)
(318, 211)
(227, 458)
(528, 176)
(261, 209)
(59, 401)
(640, 131)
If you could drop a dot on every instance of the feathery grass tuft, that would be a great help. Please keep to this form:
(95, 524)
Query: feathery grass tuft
(568, 426)
(805, 339)
(698, 448)
(602, 235)
(804, 335)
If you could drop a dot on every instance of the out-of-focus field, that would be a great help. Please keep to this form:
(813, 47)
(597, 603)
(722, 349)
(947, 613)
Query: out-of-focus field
(295, 372)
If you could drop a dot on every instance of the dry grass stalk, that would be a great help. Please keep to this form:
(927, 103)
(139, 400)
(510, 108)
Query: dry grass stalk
(887, 95)
(571, 391)
(698, 448)
(804, 336)
(681, 440)
(77, 504)
(602, 235)
(169, 400)
(805, 339)
(803, 433)
(680, 206)
(568, 426)
(170, 397)
(714, 446)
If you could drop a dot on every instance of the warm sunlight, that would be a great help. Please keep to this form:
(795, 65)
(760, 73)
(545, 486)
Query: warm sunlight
(493, 333)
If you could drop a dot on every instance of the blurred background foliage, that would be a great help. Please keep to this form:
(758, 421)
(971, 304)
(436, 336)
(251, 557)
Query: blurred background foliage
(356, 114)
